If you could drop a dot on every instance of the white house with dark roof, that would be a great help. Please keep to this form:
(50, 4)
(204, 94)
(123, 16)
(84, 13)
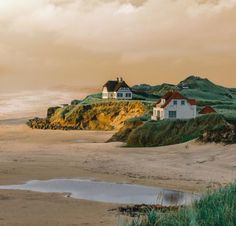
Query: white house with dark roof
(117, 89)
(174, 106)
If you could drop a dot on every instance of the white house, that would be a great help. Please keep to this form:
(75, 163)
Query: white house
(117, 89)
(174, 106)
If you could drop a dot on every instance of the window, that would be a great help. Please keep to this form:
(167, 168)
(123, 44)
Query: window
(175, 102)
(128, 95)
(172, 114)
(120, 95)
(182, 102)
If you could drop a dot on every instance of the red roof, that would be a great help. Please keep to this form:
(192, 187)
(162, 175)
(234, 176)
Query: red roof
(207, 110)
(174, 95)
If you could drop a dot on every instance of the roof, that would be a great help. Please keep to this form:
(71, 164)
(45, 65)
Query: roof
(174, 95)
(113, 86)
(192, 101)
(207, 110)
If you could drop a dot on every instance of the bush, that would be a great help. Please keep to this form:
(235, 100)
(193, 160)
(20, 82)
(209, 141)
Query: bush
(75, 102)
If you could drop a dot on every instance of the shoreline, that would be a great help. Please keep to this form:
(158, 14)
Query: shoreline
(99, 138)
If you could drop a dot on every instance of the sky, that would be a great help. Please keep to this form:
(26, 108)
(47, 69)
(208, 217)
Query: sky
(83, 43)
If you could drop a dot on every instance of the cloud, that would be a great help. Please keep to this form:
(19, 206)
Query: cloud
(126, 9)
(52, 36)
(98, 25)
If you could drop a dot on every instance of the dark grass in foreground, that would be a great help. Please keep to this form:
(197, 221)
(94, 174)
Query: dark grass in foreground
(216, 208)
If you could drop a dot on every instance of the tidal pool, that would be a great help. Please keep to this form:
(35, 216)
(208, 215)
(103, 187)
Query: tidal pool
(108, 192)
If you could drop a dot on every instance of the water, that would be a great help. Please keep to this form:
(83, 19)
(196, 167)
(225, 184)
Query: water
(34, 103)
(101, 191)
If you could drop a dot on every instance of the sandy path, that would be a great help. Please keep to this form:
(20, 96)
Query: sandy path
(27, 154)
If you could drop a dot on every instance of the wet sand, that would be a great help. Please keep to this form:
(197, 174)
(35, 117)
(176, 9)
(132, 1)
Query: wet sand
(27, 154)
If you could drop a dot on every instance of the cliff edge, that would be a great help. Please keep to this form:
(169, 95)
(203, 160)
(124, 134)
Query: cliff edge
(98, 116)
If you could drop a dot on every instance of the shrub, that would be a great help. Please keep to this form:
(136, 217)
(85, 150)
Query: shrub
(216, 208)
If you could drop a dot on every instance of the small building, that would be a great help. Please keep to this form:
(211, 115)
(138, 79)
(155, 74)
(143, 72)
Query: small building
(207, 110)
(174, 106)
(117, 89)
(183, 85)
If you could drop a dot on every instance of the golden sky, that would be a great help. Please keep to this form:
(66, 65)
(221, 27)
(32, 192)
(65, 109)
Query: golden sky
(53, 43)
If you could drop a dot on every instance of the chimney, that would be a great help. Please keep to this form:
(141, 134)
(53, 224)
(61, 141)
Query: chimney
(121, 79)
(118, 79)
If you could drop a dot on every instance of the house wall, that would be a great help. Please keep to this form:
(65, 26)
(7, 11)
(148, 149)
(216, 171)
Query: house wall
(158, 113)
(105, 93)
(186, 111)
(124, 94)
(121, 94)
(108, 95)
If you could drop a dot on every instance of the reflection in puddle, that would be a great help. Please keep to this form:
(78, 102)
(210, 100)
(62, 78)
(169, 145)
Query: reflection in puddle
(108, 192)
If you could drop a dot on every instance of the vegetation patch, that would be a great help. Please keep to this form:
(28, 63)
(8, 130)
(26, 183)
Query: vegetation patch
(207, 128)
(216, 208)
(108, 115)
(129, 125)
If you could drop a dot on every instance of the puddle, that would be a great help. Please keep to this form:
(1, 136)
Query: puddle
(85, 141)
(107, 192)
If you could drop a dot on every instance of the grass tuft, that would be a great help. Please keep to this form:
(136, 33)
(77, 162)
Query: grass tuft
(216, 208)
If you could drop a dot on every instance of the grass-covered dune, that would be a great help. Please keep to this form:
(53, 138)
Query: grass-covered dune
(107, 115)
(216, 208)
(207, 128)
(198, 88)
(129, 125)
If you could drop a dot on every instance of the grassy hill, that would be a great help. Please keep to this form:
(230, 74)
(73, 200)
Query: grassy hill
(207, 128)
(153, 91)
(203, 89)
(198, 88)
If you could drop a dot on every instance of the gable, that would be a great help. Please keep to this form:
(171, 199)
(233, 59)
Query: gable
(104, 89)
(124, 89)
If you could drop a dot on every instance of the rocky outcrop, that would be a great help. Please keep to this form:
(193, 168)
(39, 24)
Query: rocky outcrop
(226, 135)
(44, 123)
(109, 115)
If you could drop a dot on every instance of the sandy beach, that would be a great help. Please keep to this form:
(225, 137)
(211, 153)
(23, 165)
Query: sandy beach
(27, 154)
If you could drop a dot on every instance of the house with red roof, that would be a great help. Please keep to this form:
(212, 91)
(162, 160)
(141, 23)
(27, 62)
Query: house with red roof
(173, 105)
(117, 89)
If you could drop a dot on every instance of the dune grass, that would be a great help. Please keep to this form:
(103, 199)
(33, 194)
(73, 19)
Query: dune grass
(167, 132)
(216, 208)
